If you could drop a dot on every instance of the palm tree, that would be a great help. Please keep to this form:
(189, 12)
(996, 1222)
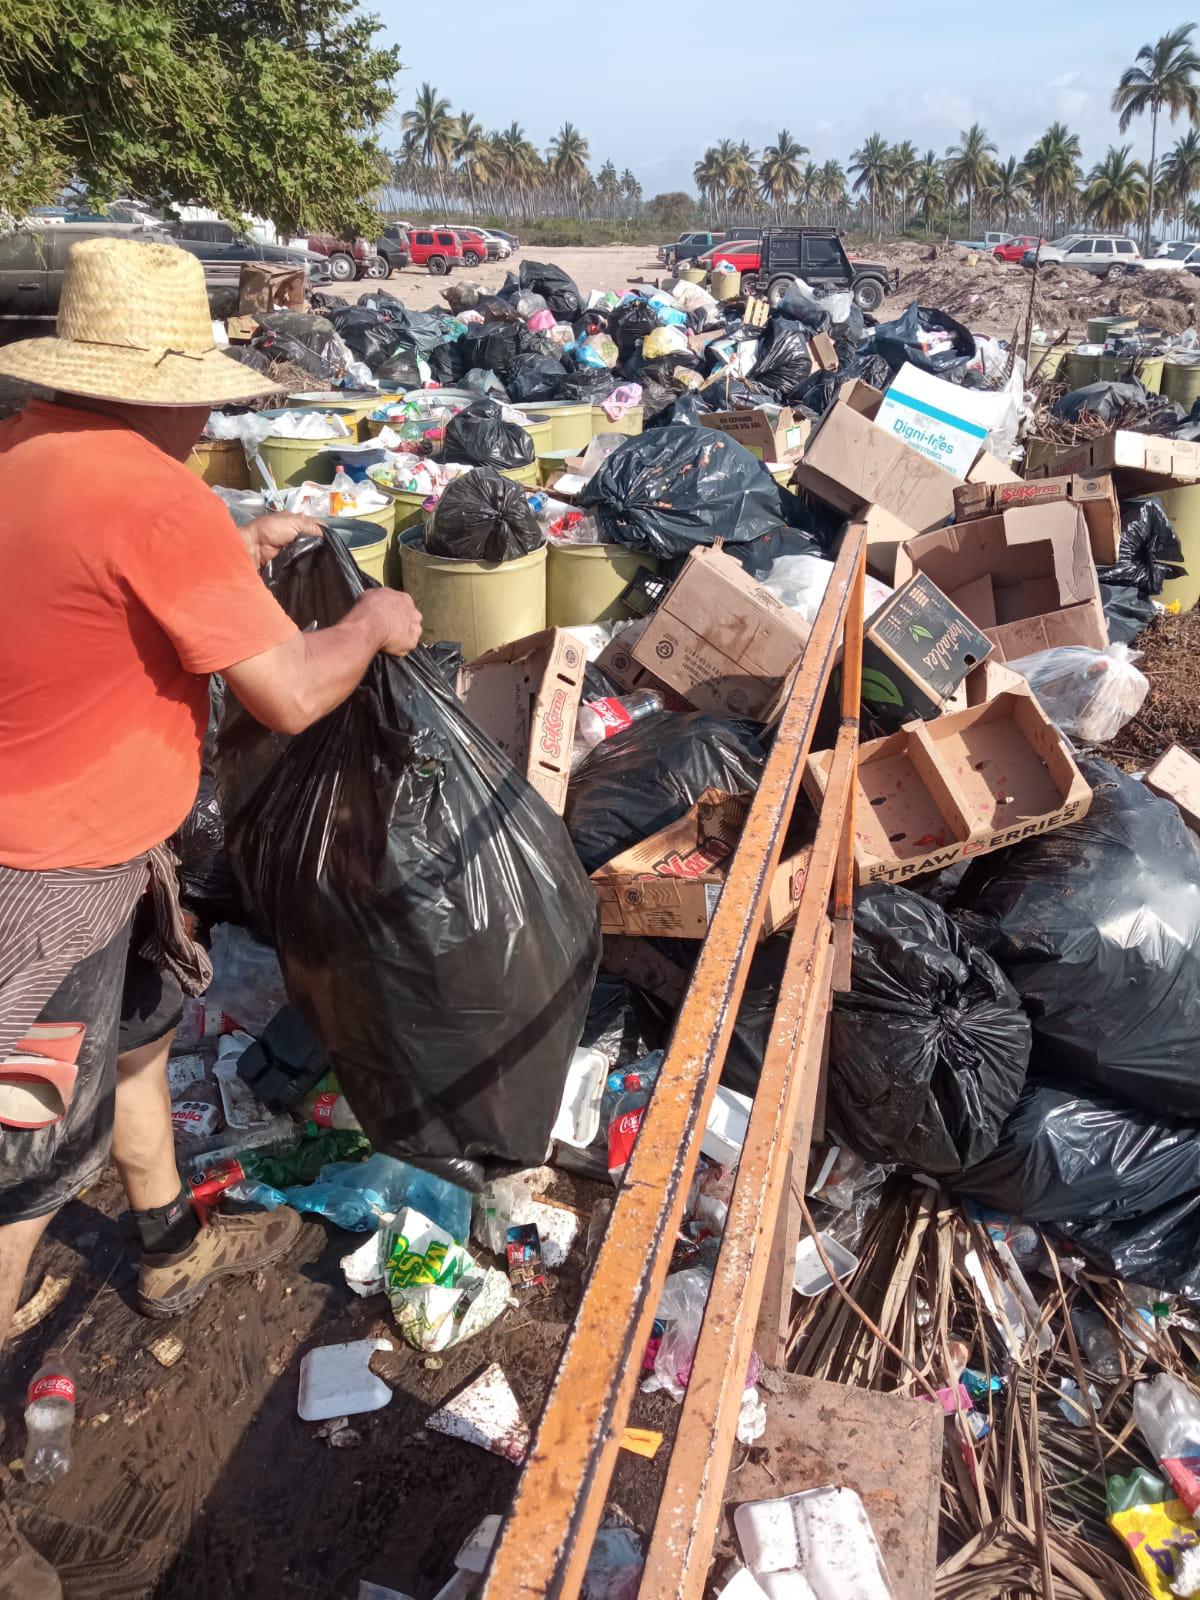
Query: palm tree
(726, 161)
(1051, 168)
(568, 155)
(743, 186)
(780, 170)
(929, 187)
(872, 164)
(1116, 188)
(436, 129)
(706, 176)
(832, 187)
(904, 163)
(631, 191)
(608, 189)
(807, 186)
(517, 161)
(1007, 187)
(969, 166)
(1179, 170)
(1161, 79)
(472, 152)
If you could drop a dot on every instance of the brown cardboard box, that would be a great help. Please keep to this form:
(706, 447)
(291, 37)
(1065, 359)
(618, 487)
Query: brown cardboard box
(885, 535)
(668, 886)
(645, 966)
(851, 464)
(1025, 577)
(781, 439)
(985, 683)
(720, 639)
(918, 649)
(970, 782)
(823, 352)
(1146, 462)
(987, 468)
(616, 661)
(526, 696)
(1176, 776)
(1094, 497)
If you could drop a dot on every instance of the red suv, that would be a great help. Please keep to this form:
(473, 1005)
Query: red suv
(348, 258)
(439, 249)
(474, 245)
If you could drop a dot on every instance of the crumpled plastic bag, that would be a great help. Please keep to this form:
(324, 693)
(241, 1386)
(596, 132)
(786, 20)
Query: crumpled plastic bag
(664, 341)
(440, 1295)
(480, 437)
(929, 339)
(559, 292)
(1149, 553)
(482, 517)
(1089, 694)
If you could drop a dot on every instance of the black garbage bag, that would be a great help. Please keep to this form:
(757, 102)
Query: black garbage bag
(381, 300)
(208, 885)
(493, 308)
(1187, 427)
(551, 282)
(799, 306)
(1097, 927)
(425, 330)
(823, 388)
(308, 342)
(759, 555)
(630, 322)
(1149, 552)
(667, 491)
(929, 1048)
(462, 296)
(538, 344)
(586, 384)
(1126, 610)
(783, 362)
(449, 362)
(1120, 1184)
(259, 360)
(482, 517)
(493, 344)
(1108, 402)
(687, 410)
(370, 336)
(534, 378)
(647, 776)
(432, 922)
(401, 369)
(480, 381)
(900, 341)
(480, 437)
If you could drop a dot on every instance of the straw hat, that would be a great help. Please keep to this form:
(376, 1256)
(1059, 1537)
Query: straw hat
(134, 325)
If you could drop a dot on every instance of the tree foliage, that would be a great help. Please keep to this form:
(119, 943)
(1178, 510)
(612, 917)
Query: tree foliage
(268, 108)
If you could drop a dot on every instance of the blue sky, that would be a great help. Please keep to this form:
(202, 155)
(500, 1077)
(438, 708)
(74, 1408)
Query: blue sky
(651, 95)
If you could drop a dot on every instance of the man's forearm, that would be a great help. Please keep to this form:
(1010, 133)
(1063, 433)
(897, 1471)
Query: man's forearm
(331, 661)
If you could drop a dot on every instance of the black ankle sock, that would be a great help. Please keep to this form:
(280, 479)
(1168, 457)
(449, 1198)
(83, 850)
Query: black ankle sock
(165, 1229)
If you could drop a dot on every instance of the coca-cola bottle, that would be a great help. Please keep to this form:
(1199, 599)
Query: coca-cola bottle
(49, 1419)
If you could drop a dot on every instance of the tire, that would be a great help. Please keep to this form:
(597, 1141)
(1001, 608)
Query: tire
(1117, 271)
(779, 287)
(341, 267)
(471, 258)
(749, 283)
(437, 265)
(377, 267)
(868, 294)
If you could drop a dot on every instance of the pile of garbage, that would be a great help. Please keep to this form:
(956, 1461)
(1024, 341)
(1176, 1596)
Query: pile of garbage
(450, 938)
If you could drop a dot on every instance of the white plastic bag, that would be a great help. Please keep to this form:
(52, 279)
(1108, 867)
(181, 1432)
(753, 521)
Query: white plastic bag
(247, 984)
(668, 341)
(1089, 694)
(801, 581)
(681, 1307)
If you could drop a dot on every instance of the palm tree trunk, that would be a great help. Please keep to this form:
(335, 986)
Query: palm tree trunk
(1150, 186)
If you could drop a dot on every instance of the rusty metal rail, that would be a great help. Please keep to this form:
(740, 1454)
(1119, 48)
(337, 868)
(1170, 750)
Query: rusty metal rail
(544, 1545)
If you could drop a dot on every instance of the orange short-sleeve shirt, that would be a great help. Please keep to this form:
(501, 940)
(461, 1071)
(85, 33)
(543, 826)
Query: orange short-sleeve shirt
(123, 584)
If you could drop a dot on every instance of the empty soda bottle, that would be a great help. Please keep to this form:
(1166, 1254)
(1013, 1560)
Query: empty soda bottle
(49, 1419)
(600, 719)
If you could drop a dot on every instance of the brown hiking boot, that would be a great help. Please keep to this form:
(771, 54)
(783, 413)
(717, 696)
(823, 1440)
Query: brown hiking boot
(233, 1243)
(24, 1575)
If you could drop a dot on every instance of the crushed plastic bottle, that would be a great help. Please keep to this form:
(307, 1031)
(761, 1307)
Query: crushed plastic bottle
(49, 1419)
(1167, 1413)
(600, 719)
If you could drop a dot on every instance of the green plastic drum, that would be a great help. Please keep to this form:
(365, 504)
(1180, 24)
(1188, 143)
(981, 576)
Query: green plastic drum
(1183, 508)
(294, 461)
(630, 421)
(479, 606)
(1116, 369)
(726, 286)
(693, 274)
(530, 475)
(541, 431)
(1043, 370)
(585, 582)
(1181, 382)
(355, 405)
(1100, 328)
(1080, 369)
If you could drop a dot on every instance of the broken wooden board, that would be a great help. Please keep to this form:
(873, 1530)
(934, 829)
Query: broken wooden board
(886, 1446)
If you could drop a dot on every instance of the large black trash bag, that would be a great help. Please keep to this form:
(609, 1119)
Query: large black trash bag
(1121, 1184)
(400, 370)
(1128, 402)
(630, 322)
(449, 362)
(1097, 926)
(551, 282)
(899, 341)
(667, 491)
(688, 409)
(783, 363)
(586, 384)
(650, 774)
(929, 1048)
(370, 336)
(208, 885)
(482, 517)
(308, 342)
(1149, 553)
(1126, 611)
(480, 437)
(432, 922)
(495, 345)
(534, 378)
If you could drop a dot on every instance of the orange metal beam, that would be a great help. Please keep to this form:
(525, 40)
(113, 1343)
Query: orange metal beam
(544, 1546)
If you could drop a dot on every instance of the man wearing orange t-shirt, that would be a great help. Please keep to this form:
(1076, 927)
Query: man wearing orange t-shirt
(125, 583)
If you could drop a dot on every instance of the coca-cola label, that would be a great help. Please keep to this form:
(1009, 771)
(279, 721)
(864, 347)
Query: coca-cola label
(322, 1111)
(52, 1385)
(612, 714)
(622, 1136)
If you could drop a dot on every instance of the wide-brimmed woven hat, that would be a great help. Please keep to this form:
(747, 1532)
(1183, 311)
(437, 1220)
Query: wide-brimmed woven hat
(134, 325)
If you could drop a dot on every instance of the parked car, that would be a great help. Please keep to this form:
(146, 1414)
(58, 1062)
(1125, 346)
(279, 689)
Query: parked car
(1014, 249)
(986, 241)
(33, 258)
(513, 241)
(222, 249)
(348, 258)
(393, 247)
(503, 248)
(1181, 257)
(436, 249)
(1109, 255)
(687, 247)
(779, 256)
(474, 245)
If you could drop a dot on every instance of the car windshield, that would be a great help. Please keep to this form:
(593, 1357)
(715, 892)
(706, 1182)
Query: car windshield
(1179, 252)
(1065, 242)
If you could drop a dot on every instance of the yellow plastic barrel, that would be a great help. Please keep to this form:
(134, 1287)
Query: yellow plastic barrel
(1181, 382)
(1043, 370)
(1099, 328)
(555, 461)
(630, 422)
(410, 508)
(570, 423)
(541, 431)
(479, 606)
(726, 286)
(355, 406)
(693, 274)
(221, 463)
(585, 582)
(1117, 369)
(369, 537)
(1080, 368)
(1183, 508)
(530, 474)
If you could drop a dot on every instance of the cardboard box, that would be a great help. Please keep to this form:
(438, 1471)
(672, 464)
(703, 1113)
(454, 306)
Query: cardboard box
(616, 661)
(917, 649)
(525, 696)
(945, 422)
(769, 433)
(985, 683)
(1145, 463)
(971, 782)
(1095, 497)
(645, 966)
(1025, 577)
(1176, 776)
(885, 534)
(823, 352)
(668, 886)
(990, 469)
(723, 641)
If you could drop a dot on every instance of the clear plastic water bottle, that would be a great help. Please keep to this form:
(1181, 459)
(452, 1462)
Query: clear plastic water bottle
(600, 719)
(49, 1419)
